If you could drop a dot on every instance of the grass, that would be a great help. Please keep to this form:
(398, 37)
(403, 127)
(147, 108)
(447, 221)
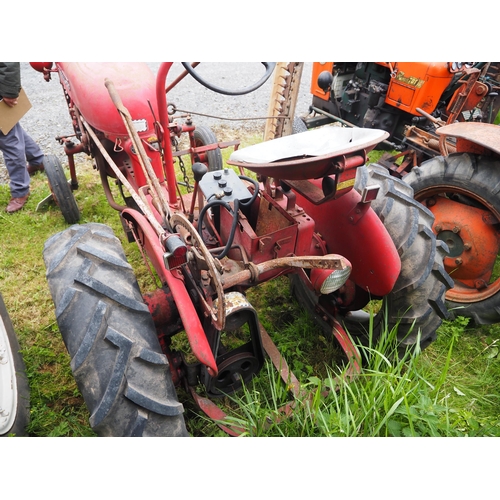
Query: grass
(451, 389)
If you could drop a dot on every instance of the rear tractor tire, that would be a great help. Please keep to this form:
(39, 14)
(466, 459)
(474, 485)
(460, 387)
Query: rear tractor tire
(108, 330)
(463, 192)
(415, 306)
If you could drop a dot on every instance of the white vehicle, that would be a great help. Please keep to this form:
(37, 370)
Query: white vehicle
(14, 388)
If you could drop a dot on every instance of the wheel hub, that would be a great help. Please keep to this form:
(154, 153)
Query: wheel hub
(234, 371)
(473, 244)
(454, 242)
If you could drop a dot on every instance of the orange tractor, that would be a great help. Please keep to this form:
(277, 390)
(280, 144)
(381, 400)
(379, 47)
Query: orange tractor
(440, 120)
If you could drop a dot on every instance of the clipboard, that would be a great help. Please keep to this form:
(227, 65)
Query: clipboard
(9, 116)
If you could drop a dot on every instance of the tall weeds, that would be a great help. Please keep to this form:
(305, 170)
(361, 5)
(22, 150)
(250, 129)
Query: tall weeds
(391, 397)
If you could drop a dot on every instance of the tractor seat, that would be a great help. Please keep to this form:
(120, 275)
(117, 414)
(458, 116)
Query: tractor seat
(306, 155)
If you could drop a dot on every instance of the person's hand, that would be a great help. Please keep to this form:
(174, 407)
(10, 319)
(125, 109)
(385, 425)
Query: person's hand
(10, 101)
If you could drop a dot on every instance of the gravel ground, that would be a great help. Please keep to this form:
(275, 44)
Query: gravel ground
(49, 118)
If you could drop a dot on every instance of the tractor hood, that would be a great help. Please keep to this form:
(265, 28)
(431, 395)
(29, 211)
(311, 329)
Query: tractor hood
(134, 82)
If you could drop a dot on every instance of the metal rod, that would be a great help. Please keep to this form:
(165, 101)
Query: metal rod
(179, 78)
(153, 183)
(330, 261)
(143, 206)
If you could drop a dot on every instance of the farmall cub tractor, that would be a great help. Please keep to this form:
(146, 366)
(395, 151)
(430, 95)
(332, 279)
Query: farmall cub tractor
(305, 206)
(439, 117)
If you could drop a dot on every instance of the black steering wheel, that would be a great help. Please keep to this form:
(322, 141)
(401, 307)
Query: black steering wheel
(269, 69)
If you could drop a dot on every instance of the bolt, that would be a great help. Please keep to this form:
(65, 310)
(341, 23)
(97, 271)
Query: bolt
(437, 228)
(467, 246)
(456, 229)
(458, 261)
(480, 284)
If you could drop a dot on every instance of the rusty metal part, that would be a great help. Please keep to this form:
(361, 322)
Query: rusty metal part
(330, 261)
(399, 169)
(467, 96)
(280, 363)
(352, 371)
(218, 314)
(436, 121)
(351, 351)
(427, 142)
(286, 84)
(467, 134)
(212, 411)
(70, 148)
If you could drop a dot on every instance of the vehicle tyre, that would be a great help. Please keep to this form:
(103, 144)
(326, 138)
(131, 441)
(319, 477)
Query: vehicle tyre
(203, 136)
(14, 388)
(61, 190)
(108, 331)
(416, 304)
(462, 190)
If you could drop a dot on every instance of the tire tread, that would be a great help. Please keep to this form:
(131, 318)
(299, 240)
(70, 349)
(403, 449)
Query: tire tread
(108, 330)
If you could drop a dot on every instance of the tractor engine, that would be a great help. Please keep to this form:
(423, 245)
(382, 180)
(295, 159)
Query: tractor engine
(383, 95)
(361, 92)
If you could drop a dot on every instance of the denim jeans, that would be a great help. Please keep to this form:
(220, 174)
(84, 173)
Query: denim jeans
(18, 148)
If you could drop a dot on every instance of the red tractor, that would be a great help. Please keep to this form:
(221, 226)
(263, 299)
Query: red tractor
(439, 117)
(306, 206)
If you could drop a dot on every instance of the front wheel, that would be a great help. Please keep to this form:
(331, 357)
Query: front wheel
(463, 192)
(14, 388)
(107, 328)
(61, 190)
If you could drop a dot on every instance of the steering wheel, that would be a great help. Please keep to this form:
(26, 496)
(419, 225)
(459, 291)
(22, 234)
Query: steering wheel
(246, 90)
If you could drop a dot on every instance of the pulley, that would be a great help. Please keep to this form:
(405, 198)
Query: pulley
(239, 364)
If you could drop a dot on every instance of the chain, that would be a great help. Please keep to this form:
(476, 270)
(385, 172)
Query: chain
(182, 166)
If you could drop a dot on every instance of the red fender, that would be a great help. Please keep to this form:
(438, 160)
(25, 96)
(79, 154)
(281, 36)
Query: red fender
(352, 229)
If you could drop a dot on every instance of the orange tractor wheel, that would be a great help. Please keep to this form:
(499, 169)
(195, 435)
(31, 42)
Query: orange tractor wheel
(463, 192)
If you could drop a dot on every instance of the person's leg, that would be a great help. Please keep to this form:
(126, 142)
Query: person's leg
(13, 149)
(34, 154)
